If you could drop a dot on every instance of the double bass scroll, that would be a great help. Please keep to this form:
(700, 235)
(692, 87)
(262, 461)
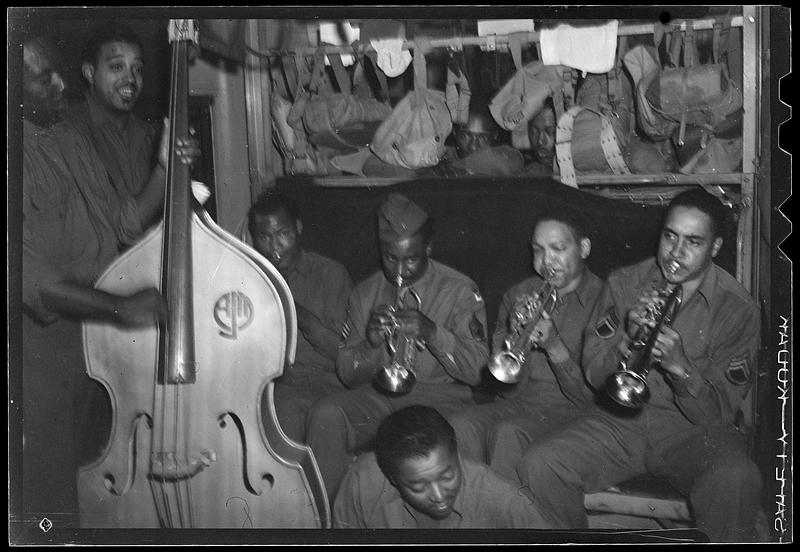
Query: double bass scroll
(189, 447)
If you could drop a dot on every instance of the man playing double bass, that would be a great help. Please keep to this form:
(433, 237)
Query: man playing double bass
(74, 224)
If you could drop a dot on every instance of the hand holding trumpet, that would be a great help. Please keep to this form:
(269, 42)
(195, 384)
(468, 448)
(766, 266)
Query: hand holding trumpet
(546, 337)
(385, 320)
(380, 325)
(415, 324)
(530, 325)
(668, 351)
(403, 330)
(649, 321)
(668, 347)
(644, 311)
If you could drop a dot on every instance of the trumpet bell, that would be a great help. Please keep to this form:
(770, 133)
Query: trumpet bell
(395, 379)
(628, 389)
(506, 367)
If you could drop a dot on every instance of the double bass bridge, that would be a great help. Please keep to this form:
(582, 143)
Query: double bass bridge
(170, 466)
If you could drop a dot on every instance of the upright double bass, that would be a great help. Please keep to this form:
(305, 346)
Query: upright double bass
(189, 447)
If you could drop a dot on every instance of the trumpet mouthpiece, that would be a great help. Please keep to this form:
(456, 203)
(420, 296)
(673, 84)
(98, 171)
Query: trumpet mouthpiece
(672, 267)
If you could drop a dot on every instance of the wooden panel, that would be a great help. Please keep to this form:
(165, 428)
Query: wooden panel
(638, 504)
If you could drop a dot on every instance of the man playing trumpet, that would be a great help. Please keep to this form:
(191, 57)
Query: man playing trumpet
(434, 309)
(688, 432)
(546, 338)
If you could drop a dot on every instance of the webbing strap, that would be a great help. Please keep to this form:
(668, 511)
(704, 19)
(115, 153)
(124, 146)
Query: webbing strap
(689, 46)
(379, 75)
(457, 94)
(421, 47)
(608, 141)
(342, 79)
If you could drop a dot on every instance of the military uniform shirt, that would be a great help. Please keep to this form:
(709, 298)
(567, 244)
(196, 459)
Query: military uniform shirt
(74, 222)
(456, 352)
(719, 329)
(322, 286)
(129, 153)
(553, 381)
(367, 500)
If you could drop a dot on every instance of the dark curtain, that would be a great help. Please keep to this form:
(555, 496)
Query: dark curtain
(482, 226)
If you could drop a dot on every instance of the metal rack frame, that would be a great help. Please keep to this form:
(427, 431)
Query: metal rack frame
(742, 186)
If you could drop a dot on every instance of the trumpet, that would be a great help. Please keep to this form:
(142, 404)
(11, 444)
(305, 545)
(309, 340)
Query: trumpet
(506, 365)
(398, 376)
(628, 386)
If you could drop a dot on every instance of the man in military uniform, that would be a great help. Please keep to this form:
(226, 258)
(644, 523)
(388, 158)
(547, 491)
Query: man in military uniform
(477, 151)
(552, 389)
(687, 432)
(416, 479)
(320, 287)
(542, 136)
(444, 329)
(112, 65)
(75, 223)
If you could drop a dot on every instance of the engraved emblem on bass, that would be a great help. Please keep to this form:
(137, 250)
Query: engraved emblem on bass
(233, 312)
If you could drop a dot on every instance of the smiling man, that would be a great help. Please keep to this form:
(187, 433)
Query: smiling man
(416, 479)
(129, 153)
(75, 223)
(690, 430)
(113, 69)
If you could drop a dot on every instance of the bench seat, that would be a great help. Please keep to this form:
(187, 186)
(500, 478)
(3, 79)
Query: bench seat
(644, 500)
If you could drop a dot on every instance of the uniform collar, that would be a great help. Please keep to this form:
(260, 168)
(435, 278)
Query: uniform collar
(99, 116)
(427, 278)
(423, 283)
(301, 263)
(583, 291)
(418, 515)
(458, 504)
(705, 289)
(708, 284)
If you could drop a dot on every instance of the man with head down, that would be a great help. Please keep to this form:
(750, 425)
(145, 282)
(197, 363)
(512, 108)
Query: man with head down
(418, 479)
(446, 326)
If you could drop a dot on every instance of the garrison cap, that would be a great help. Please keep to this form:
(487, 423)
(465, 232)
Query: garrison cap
(399, 217)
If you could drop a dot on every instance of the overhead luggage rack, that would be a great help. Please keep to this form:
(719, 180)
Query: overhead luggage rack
(733, 188)
(498, 41)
